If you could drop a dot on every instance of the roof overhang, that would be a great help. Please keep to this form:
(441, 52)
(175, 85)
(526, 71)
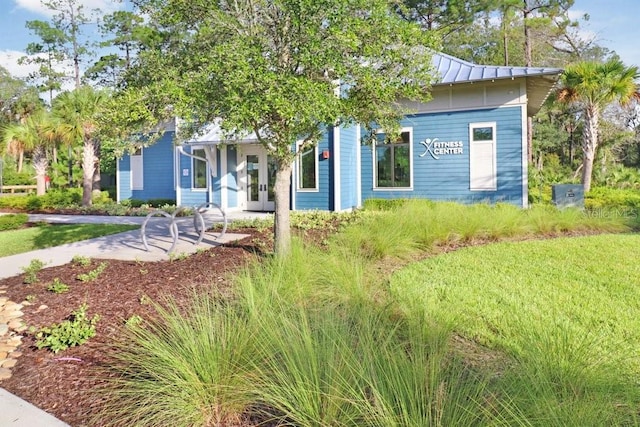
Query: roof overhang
(539, 80)
(213, 134)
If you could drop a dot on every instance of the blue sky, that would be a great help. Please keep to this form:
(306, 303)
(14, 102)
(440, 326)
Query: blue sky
(613, 23)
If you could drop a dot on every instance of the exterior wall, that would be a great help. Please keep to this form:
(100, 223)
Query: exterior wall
(472, 96)
(448, 178)
(189, 196)
(322, 198)
(349, 145)
(158, 172)
(231, 185)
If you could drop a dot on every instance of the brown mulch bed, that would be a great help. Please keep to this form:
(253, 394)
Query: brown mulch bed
(62, 383)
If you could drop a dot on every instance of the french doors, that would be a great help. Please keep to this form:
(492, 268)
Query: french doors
(260, 176)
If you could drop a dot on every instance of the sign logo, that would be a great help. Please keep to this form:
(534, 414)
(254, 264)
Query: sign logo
(438, 148)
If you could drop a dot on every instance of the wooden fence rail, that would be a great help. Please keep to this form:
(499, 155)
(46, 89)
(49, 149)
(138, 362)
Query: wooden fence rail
(18, 188)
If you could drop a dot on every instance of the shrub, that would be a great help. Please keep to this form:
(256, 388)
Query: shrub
(18, 202)
(57, 287)
(603, 197)
(69, 333)
(93, 274)
(156, 203)
(13, 221)
(31, 271)
(33, 203)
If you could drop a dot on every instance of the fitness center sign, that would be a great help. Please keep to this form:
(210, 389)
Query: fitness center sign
(440, 148)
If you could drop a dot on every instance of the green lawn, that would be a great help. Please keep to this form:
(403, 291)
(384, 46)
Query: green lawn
(28, 239)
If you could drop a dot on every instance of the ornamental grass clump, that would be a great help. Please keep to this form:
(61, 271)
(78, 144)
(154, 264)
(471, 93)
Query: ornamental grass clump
(184, 368)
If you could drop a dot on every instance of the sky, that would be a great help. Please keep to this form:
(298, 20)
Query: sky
(613, 24)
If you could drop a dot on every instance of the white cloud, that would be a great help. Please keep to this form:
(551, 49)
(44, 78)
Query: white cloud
(36, 6)
(9, 60)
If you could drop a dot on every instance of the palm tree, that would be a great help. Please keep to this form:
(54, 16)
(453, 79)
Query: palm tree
(34, 134)
(593, 86)
(78, 111)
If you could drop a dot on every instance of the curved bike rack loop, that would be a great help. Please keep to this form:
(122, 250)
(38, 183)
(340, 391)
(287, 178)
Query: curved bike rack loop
(198, 221)
(173, 229)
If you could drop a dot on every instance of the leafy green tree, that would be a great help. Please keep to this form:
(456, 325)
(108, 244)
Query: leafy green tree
(284, 70)
(127, 32)
(47, 55)
(78, 113)
(34, 134)
(444, 16)
(593, 86)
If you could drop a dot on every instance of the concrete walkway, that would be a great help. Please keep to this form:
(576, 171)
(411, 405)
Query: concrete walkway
(16, 412)
(124, 246)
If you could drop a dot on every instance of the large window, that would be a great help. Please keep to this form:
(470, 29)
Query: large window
(482, 157)
(308, 169)
(199, 168)
(393, 160)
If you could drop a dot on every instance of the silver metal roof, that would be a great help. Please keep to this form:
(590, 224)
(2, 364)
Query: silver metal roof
(540, 80)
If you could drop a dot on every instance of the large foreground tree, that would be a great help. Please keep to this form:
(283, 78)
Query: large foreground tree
(285, 70)
(593, 86)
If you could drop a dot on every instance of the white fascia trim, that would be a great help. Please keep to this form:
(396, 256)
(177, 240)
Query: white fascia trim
(118, 180)
(525, 159)
(224, 179)
(358, 167)
(177, 175)
(336, 169)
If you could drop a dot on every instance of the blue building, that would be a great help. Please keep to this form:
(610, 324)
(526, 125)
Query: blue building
(468, 144)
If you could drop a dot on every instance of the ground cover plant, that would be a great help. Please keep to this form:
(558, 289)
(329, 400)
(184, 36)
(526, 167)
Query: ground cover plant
(324, 337)
(45, 236)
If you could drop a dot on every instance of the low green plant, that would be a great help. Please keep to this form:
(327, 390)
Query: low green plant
(81, 260)
(57, 287)
(13, 221)
(178, 256)
(31, 271)
(69, 333)
(134, 320)
(30, 298)
(93, 274)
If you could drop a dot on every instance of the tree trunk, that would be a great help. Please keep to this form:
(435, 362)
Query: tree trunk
(282, 221)
(20, 160)
(96, 172)
(528, 62)
(88, 168)
(589, 144)
(40, 165)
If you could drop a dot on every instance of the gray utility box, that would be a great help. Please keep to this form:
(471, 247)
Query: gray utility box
(567, 195)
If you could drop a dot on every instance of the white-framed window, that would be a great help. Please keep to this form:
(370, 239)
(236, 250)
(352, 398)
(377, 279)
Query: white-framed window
(137, 174)
(198, 170)
(483, 171)
(308, 170)
(393, 160)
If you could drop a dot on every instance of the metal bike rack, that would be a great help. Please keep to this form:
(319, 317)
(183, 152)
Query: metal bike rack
(198, 224)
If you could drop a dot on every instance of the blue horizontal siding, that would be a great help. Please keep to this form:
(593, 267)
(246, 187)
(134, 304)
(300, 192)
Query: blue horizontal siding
(348, 174)
(124, 177)
(158, 172)
(448, 177)
(320, 199)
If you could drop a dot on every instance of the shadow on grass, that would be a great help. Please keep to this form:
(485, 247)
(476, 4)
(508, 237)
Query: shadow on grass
(54, 235)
